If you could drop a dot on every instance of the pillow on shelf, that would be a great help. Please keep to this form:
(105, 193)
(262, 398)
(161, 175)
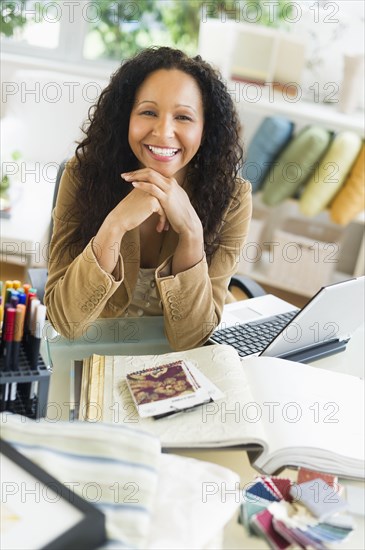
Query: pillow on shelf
(295, 164)
(350, 201)
(331, 173)
(271, 137)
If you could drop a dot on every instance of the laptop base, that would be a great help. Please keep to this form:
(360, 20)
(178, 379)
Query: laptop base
(314, 353)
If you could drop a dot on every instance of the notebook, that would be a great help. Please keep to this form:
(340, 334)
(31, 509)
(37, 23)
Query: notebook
(170, 388)
(269, 326)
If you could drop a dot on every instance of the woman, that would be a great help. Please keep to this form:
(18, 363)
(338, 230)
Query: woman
(151, 217)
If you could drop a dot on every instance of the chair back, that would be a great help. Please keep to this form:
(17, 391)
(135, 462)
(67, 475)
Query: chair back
(37, 276)
(55, 193)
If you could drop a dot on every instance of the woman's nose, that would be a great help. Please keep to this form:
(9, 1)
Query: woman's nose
(163, 127)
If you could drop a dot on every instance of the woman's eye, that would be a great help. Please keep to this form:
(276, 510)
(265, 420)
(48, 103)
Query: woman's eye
(148, 113)
(184, 117)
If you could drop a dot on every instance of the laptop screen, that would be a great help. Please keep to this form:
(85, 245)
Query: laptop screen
(334, 313)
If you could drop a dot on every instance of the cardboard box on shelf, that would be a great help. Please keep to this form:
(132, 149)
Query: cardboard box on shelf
(304, 255)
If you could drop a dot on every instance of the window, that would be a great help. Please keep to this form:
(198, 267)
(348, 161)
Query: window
(120, 29)
(79, 31)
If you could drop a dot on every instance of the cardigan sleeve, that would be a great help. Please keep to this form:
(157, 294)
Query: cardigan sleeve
(193, 300)
(77, 288)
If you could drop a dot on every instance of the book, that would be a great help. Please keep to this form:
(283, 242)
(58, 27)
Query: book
(291, 414)
(170, 388)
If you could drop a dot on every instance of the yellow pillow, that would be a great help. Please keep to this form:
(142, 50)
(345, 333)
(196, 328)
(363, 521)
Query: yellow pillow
(331, 173)
(351, 198)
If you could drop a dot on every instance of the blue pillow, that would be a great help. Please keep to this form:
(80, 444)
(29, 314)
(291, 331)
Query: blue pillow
(271, 137)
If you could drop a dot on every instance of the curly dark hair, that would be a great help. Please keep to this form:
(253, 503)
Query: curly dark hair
(105, 153)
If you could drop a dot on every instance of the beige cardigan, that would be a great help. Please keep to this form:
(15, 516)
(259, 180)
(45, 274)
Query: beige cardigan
(78, 291)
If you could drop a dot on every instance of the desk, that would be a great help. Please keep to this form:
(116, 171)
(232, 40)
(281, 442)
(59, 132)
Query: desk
(145, 336)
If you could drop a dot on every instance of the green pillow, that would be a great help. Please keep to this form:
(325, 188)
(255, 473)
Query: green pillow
(295, 164)
(331, 173)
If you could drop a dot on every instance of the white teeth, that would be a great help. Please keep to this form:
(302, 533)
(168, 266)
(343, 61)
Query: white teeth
(165, 152)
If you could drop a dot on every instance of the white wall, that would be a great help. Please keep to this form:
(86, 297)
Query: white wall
(43, 107)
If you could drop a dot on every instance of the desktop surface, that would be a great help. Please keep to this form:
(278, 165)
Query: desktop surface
(127, 336)
(145, 336)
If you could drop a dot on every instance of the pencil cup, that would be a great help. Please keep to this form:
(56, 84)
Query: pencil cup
(24, 387)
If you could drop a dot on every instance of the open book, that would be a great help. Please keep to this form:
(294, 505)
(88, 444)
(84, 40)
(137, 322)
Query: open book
(294, 414)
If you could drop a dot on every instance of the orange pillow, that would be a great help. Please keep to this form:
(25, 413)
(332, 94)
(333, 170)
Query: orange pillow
(350, 201)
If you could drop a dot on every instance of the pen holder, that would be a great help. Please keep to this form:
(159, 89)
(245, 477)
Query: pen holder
(24, 387)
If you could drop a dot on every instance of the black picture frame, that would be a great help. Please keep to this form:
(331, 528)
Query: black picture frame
(88, 531)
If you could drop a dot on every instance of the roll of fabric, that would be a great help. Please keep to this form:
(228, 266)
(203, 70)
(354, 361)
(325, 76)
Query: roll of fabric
(350, 200)
(331, 174)
(295, 164)
(271, 137)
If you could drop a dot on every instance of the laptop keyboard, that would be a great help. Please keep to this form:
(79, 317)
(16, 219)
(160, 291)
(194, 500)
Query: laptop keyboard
(253, 337)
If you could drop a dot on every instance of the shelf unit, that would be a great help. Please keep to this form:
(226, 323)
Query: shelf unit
(266, 101)
(326, 252)
(299, 263)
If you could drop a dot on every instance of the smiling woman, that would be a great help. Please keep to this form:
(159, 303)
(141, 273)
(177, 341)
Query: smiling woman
(151, 216)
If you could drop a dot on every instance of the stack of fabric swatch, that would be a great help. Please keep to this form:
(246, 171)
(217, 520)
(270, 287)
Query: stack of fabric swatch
(319, 168)
(308, 513)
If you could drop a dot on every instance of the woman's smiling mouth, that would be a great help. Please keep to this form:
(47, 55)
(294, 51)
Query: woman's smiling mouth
(164, 153)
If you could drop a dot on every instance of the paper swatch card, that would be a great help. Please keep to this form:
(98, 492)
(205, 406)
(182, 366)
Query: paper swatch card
(170, 388)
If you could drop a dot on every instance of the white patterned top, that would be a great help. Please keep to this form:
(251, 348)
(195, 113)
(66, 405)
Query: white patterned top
(146, 299)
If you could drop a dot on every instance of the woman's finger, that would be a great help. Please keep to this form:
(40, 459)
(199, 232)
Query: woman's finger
(149, 176)
(162, 222)
(149, 188)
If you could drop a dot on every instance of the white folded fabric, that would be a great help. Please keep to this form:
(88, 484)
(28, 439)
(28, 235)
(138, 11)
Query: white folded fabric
(196, 499)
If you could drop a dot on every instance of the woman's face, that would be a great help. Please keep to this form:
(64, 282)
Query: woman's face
(166, 122)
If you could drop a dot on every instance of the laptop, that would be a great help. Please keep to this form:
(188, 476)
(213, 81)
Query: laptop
(269, 326)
